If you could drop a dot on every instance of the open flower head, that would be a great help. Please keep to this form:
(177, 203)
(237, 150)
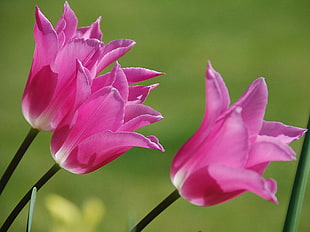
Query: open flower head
(103, 127)
(66, 60)
(232, 148)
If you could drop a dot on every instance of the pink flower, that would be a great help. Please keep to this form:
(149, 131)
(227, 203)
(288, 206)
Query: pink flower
(102, 128)
(232, 148)
(66, 60)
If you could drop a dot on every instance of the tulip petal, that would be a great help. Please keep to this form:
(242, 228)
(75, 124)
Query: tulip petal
(66, 25)
(281, 131)
(46, 42)
(136, 94)
(113, 51)
(137, 116)
(67, 99)
(102, 81)
(232, 148)
(120, 81)
(78, 49)
(102, 148)
(103, 110)
(135, 75)
(253, 102)
(266, 149)
(35, 101)
(217, 96)
(139, 93)
(116, 79)
(227, 143)
(201, 189)
(217, 102)
(218, 183)
(93, 31)
(83, 84)
(60, 135)
(235, 179)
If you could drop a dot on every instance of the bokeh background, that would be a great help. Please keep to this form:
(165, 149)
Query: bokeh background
(243, 39)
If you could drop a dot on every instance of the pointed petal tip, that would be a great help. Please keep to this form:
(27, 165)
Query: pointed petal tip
(285, 133)
(97, 23)
(270, 189)
(128, 42)
(258, 85)
(209, 64)
(273, 199)
(132, 41)
(155, 141)
(159, 73)
(98, 19)
(153, 86)
(124, 42)
(38, 13)
(159, 117)
(260, 81)
(211, 73)
(137, 74)
(66, 4)
(67, 7)
(117, 65)
(153, 72)
(262, 78)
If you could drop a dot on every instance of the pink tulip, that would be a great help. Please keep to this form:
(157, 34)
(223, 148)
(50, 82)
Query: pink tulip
(232, 148)
(102, 128)
(65, 62)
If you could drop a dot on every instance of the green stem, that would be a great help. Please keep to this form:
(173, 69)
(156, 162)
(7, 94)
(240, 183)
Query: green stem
(17, 158)
(298, 191)
(18, 208)
(156, 211)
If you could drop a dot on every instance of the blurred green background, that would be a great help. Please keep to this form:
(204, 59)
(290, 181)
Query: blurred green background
(243, 39)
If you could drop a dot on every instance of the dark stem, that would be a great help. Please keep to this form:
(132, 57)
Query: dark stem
(156, 211)
(18, 208)
(17, 158)
(299, 187)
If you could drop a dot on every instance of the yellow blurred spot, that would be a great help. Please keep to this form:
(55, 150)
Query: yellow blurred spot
(68, 217)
